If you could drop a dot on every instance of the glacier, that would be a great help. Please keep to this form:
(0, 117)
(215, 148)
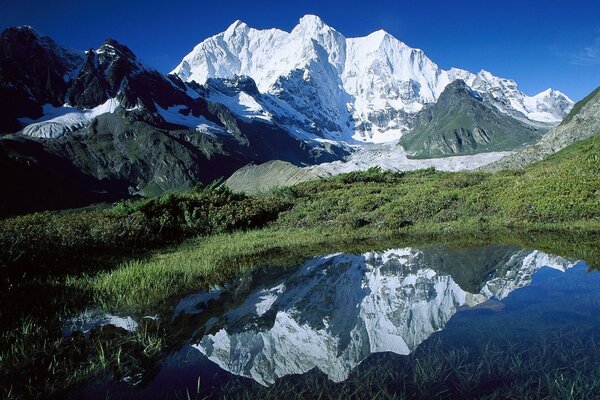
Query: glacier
(56, 121)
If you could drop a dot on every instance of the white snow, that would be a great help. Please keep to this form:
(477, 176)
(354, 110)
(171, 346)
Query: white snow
(529, 261)
(56, 121)
(243, 105)
(200, 123)
(88, 320)
(350, 89)
(392, 157)
(191, 303)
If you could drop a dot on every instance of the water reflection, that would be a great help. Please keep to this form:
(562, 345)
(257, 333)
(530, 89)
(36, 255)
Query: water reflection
(332, 312)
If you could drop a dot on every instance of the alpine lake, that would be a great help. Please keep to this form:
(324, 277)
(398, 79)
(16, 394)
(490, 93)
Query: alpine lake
(418, 322)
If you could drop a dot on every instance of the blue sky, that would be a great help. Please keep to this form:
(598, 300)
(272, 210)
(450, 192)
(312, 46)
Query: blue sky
(540, 44)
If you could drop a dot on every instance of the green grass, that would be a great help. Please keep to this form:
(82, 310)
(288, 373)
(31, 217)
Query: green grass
(131, 255)
(562, 189)
(37, 363)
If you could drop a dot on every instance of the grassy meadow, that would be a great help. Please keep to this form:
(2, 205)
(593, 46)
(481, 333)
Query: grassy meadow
(146, 253)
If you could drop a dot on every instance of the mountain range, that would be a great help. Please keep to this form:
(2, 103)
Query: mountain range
(315, 81)
(99, 125)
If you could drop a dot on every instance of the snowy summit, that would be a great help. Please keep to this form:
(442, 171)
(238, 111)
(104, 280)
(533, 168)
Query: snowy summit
(316, 81)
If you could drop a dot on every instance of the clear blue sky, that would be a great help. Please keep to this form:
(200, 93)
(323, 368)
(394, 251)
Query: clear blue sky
(538, 43)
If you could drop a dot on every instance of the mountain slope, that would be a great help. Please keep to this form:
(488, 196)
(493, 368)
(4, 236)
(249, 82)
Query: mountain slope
(461, 122)
(123, 129)
(34, 71)
(582, 122)
(255, 179)
(349, 89)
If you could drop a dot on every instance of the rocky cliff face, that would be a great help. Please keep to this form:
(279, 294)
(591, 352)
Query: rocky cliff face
(34, 71)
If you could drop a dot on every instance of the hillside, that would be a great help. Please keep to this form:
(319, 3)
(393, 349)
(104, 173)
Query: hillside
(546, 192)
(256, 179)
(582, 122)
(461, 122)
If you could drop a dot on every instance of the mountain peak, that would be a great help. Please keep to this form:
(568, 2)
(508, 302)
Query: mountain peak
(26, 28)
(377, 38)
(21, 28)
(552, 93)
(24, 33)
(311, 22)
(237, 25)
(113, 47)
(485, 74)
(458, 88)
(379, 35)
(462, 122)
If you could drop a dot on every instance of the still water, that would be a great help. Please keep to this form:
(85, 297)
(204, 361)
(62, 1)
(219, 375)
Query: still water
(497, 321)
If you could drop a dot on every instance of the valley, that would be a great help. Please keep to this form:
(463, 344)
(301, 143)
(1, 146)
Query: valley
(292, 214)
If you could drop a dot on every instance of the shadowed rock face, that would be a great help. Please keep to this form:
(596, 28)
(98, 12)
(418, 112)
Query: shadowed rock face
(334, 311)
(462, 122)
(127, 129)
(34, 70)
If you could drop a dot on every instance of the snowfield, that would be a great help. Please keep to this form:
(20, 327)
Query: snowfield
(56, 121)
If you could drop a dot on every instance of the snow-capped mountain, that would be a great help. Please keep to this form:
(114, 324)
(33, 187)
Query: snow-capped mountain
(99, 125)
(335, 311)
(315, 81)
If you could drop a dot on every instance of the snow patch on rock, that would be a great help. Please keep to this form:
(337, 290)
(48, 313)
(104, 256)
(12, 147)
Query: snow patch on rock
(57, 121)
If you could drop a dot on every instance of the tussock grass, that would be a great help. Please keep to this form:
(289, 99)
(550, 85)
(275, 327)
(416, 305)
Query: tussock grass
(203, 261)
(36, 362)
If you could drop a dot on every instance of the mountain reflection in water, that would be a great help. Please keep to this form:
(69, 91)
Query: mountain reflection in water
(332, 312)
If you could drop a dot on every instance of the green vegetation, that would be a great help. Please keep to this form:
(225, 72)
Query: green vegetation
(45, 239)
(130, 255)
(562, 189)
